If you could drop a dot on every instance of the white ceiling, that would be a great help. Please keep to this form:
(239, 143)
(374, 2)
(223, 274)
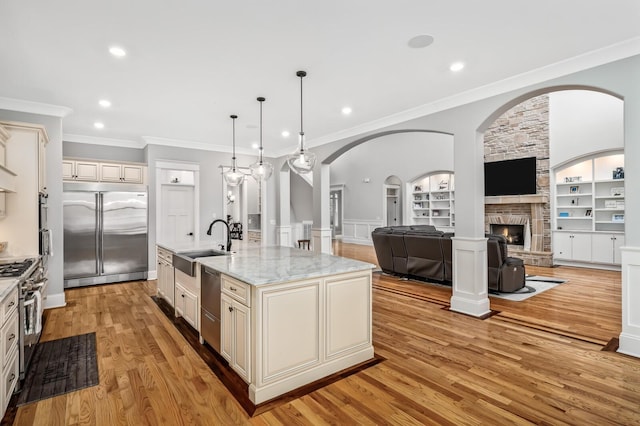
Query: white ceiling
(192, 63)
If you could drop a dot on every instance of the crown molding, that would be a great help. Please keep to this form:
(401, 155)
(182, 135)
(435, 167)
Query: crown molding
(591, 59)
(94, 140)
(183, 143)
(30, 107)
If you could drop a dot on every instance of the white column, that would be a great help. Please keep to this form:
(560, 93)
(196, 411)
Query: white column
(284, 230)
(630, 336)
(469, 287)
(284, 236)
(470, 276)
(321, 230)
(630, 254)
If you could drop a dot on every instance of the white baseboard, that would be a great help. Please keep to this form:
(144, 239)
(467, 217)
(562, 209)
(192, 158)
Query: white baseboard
(152, 275)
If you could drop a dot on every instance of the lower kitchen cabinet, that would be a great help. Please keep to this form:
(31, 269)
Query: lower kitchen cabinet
(9, 343)
(187, 305)
(166, 281)
(236, 336)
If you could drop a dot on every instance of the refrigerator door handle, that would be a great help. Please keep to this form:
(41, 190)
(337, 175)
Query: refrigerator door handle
(97, 230)
(101, 231)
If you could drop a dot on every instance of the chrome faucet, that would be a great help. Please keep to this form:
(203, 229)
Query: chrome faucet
(228, 231)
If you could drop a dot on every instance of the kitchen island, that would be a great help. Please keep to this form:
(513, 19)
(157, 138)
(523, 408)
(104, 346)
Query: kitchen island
(290, 317)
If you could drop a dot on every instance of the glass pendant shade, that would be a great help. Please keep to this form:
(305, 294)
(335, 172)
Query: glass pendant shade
(233, 176)
(261, 170)
(301, 161)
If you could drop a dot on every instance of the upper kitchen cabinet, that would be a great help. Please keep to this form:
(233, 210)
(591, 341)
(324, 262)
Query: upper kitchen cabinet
(129, 173)
(7, 177)
(25, 139)
(95, 171)
(79, 170)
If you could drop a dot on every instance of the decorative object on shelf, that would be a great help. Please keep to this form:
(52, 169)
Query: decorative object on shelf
(417, 188)
(301, 161)
(618, 173)
(443, 184)
(261, 170)
(233, 176)
(573, 179)
(610, 204)
(563, 214)
(436, 213)
(619, 204)
(575, 201)
(618, 218)
(588, 212)
(175, 180)
(617, 191)
(574, 189)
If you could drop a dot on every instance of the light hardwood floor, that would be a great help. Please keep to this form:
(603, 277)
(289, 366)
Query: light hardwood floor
(536, 362)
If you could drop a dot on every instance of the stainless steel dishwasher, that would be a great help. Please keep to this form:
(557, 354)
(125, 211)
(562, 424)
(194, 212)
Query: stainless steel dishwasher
(210, 307)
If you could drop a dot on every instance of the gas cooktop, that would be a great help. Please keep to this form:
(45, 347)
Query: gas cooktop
(14, 269)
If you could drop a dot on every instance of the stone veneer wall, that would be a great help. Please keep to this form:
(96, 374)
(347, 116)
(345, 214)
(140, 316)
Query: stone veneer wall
(523, 131)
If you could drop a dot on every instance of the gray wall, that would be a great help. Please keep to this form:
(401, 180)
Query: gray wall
(102, 152)
(54, 189)
(405, 155)
(301, 199)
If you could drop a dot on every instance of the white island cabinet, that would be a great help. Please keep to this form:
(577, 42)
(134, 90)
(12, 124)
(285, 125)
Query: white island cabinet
(291, 317)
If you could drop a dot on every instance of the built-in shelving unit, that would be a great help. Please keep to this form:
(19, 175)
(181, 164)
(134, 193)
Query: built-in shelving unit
(432, 200)
(589, 210)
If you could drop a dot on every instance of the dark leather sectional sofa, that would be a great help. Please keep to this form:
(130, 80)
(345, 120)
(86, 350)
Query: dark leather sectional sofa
(425, 253)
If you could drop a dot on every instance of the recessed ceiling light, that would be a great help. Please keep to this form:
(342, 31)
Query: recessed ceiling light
(346, 110)
(255, 145)
(117, 51)
(104, 103)
(420, 41)
(456, 66)
(285, 134)
(98, 125)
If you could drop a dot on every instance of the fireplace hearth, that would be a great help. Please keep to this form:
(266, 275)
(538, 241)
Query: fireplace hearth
(514, 234)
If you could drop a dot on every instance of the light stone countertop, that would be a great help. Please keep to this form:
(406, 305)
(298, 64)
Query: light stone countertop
(269, 265)
(7, 285)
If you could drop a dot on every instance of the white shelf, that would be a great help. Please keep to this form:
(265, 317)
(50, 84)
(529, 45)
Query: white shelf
(574, 218)
(579, 194)
(426, 200)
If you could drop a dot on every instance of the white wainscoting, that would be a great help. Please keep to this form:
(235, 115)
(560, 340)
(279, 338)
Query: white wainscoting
(359, 231)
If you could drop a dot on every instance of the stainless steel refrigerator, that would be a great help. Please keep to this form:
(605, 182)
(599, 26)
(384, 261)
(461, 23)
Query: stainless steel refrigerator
(105, 233)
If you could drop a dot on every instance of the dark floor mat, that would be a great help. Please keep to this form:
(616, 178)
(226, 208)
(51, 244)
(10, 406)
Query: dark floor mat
(61, 366)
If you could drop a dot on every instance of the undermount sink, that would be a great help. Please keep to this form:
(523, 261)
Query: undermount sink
(185, 261)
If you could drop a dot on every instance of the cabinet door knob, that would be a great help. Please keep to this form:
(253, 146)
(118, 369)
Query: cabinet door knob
(230, 309)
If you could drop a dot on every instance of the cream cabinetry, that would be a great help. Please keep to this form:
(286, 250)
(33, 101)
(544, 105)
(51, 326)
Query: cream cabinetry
(235, 335)
(281, 336)
(128, 173)
(433, 201)
(166, 280)
(9, 346)
(24, 153)
(80, 170)
(187, 289)
(589, 200)
(95, 171)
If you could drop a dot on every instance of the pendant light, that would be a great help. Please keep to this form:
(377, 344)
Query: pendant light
(301, 161)
(261, 170)
(233, 176)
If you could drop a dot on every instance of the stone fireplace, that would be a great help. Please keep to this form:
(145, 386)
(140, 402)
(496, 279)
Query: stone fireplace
(523, 131)
(527, 213)
(514, 234)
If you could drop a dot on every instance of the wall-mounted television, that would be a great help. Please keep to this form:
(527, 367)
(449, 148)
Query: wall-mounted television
(510, 177)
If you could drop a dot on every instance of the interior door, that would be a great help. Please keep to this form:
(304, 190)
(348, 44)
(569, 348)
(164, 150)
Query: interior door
(335, 206)
(80, 234)
(177, 223)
